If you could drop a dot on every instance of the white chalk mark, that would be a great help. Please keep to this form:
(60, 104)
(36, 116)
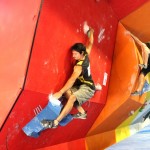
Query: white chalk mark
(108, 38)
(85, 27)
(37, 110)
(105, 79)
(53, 100)
(98, 87)
(34, 111)
(101, 35)
(77, 30)
(40, 107)
(46, 62)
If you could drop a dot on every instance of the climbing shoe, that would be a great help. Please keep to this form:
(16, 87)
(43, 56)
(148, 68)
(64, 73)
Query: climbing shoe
(136, 93)
(48, 124)
(80, 115)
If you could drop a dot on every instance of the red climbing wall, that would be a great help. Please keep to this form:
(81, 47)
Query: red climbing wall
(60, 26)
(17, 24)
(123, 8)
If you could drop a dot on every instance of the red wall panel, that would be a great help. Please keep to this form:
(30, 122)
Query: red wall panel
(60, 26)
(17, 24)
(123, 8)
(13, 137)
(72, 145)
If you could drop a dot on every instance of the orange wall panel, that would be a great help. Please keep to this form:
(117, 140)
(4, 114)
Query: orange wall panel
(138, 22)
(123, 77)
(100, 141)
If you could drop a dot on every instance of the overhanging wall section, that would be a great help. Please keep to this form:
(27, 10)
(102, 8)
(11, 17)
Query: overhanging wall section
(17, 25)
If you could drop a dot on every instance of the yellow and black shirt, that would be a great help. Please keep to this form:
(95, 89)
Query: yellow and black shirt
(85, 76)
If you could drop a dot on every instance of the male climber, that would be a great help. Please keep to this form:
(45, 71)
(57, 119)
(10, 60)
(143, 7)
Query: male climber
(145, 67)
(80, 86)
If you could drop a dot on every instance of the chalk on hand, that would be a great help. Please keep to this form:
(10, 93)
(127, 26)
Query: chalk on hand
(98, 87)
(85, 27)
(53, 100)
